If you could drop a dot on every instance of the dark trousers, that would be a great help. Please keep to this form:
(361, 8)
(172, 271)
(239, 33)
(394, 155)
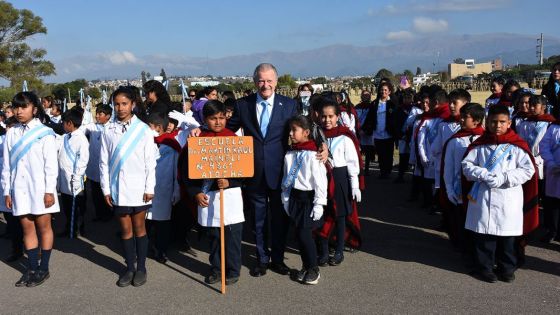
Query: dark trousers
(232, 234)
(385, 148)
(403, 163)
(428, 191)
(79, 211)
(552, 215)
(307, 247)
(491, 248)
(182, 221)
(415, 187)
(102, 210)
(162, 234)
(15, 231)
(264, 201)
(369, 152)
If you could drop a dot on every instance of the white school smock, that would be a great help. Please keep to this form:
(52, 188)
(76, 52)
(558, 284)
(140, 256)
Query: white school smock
(525, 130)
(429, 127)
(167, 188)
(445, 131)
(497, 211)
(3, 207)
(454, 153)
(233, 208)
(94, 132)
(36, 173)
(549, 147)
(348, 120)
(312, 175)
(404, 147)
(138, 174)
(344, 153)
(78, 144)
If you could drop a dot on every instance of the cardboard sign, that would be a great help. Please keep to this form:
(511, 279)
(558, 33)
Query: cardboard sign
(220, 157)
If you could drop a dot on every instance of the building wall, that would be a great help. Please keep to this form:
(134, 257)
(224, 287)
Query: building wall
(456, 69)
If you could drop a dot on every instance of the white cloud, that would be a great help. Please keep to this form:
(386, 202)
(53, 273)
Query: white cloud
(120, 58)
(428, 25)
(399, 36)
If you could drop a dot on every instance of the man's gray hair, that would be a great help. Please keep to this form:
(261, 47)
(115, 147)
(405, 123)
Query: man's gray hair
(263, 67)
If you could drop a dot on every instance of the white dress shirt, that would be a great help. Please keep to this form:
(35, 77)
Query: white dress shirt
(270, 102)
(312, 175)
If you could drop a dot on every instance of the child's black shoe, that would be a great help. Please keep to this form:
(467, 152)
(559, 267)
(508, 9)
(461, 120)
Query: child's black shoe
(299, 275)
(312, 276)
(336, 260)
(22, 282)
(37, 278)
(125, 279)
(140, 277)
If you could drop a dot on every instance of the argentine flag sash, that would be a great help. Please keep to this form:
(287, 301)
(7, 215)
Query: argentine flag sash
(497, 156)
(23, 145)
(122, 152)
(532, 139)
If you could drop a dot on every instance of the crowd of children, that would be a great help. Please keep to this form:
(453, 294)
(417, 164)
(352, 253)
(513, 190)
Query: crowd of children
(467, 161)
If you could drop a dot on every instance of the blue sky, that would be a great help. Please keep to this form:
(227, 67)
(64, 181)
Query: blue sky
(123, 31)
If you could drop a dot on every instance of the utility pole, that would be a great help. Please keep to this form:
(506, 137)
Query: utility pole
(540, 50)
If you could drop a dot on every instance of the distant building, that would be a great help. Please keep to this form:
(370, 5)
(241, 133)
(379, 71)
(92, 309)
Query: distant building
(469, 68)
(423, 78)
(205, 83)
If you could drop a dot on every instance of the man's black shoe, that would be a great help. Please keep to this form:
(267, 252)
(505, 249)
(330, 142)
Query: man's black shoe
(213, 277)
(506, 277)
(259, 270)
(489, 277)
(280, 268)
(231, 280)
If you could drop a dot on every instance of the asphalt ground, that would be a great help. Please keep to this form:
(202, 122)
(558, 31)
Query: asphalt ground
(404, 266)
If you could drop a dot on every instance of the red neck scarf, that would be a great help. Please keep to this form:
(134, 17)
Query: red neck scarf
(530, 188)
(305, 146)
(443, 112)
(478, 131)
(169, 140)
(345, 131)
(543, 117)
(224, 133)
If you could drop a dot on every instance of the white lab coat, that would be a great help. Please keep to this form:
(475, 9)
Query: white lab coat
(425, 146)
(138, 174)
(312, 176)
(454, 152)
(404, 147)
(445, 131)
(167, 188)
(413, 160)
(497, 211)
(94, 132)
(36, 173)
(3, 207)
(344, 153)
(79, 145)
(525, 130)
(549, 147)
(233, 208)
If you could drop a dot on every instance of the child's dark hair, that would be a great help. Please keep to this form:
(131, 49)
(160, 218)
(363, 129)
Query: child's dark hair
(74, 115)
(21, 99)
(11, 121)
(460, 94)
(439, 97)
(104, 109)
(158, 119)
(328, 102)
(511, 83)
(127, 91)
(177, 106)
(475, 110)
(158, 88)
(230, 104)
(57, 106)
(303, 122)
(498, 109)
(538, 99)
(500, 80)
(228, 95)
(213, 107)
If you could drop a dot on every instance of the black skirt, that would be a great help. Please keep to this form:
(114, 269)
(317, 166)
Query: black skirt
(300, 208)
(342, 191)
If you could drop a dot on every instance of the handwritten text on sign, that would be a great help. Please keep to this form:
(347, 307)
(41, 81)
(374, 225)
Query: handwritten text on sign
(220, 157)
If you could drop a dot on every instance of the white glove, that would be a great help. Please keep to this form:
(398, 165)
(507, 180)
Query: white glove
(317, 212)
(76, 185)
(356, 194)
(452, 197)
(497, 180)
(286, 208)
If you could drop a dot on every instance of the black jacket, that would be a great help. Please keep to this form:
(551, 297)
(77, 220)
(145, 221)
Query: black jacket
(370, 123)
(553, 99)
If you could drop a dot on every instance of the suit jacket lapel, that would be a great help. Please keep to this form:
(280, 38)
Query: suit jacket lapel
(275, 110)
(252, 108)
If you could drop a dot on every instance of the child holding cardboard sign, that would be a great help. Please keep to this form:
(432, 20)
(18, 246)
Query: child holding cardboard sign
(206, 193)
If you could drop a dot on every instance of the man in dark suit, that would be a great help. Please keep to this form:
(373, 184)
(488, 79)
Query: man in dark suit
(264, 116)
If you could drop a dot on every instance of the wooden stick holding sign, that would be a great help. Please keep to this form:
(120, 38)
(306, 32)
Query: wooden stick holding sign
(221, 157)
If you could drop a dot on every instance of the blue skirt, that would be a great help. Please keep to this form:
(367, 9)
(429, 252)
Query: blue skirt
(300, 208)
(342, 191)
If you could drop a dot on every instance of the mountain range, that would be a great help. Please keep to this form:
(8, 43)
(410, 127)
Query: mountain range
(428, 53)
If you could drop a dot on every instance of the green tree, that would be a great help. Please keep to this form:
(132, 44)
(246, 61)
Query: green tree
(287, 80)
(384, 73)
(94, 92)
(6, 94)
(319, 80)
(18, 61)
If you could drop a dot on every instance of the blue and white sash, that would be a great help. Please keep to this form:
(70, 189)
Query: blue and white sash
(122, 152)
(532, 137)
(497, 156)
(431, 133)
(334, 142)
(290, 180)
(24, 144)
(69, 153)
